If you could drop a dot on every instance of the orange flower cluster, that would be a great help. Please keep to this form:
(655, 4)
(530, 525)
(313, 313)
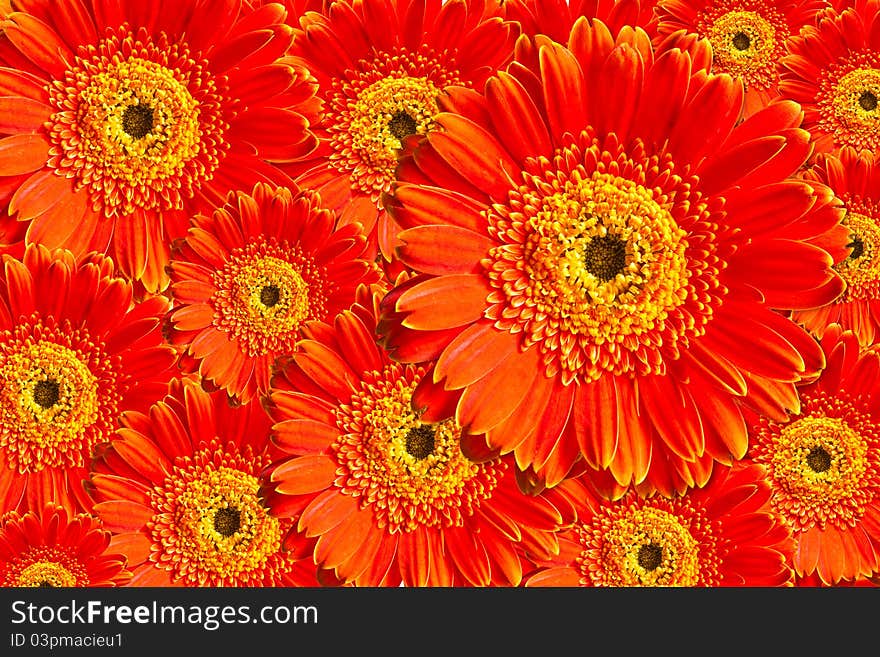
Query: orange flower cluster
(379, 293)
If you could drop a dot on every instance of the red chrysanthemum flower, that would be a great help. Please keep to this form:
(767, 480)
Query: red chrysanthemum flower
(49, 548)
(180, 489)
(724, 534)
(601, 249)
(824, 464)
(555, 18)
(391, 499)
(833, 70)
(247, 276)
(856, 180)
(75, 352)
(123, 119)
(380, 66)
(748, 37)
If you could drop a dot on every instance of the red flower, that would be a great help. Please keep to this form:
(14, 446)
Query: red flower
(380, 65)
(724, 534)
(180, 490)
(75, 353)
(602, 247)
(390, 498)
(49, 548)
(856, 180)
(833, 71)
(748, 37)
(124, 119)
(824, 464)
(247, 276)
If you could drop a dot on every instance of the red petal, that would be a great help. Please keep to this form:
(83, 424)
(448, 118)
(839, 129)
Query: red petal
(304, 474)
(444, 302)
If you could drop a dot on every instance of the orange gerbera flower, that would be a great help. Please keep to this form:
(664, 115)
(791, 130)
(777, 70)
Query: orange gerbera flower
(180, 489)
(247, 276)
(555, 18)
(75, 352)
(380, 66)
(49, 548)
(824, 464)
(601, 248)
(748, 37)
(856, 180)
(833, 71)
(391, 498)
(124, 119)
(724, 534)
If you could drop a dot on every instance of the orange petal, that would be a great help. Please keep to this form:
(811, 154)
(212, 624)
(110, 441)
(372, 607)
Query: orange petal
(22, 154)
(304, 474)
(123, 515)
(444, 302)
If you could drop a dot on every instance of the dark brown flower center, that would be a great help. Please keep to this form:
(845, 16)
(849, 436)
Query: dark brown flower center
(650, 556)
(605, 257)
(46, 393)
(420, 441)
(818, 459)
(270, 295)
(857, 246)
(137, 120)
(741, 41)
(45, 585)
(868, 101)
(402, 125)
(227, 521)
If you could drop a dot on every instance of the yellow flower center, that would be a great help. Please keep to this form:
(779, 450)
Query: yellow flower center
(821, 464)
(46, 574)
(641, 546)
(264, 294)
(44, 567)
(393, 97)
(855, 104)
(212, 527)
(413, 474)
(50, 400)
(136, 122)
(745, 45)
(600, 266)
(861, 270)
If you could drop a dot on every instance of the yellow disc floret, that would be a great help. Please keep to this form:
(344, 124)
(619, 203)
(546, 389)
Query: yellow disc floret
(861, 270)
(854, 103)
(746, 45)
(46, 574)
(411, 473)
(50, 398)
(265, 293)
(641, 546)
(820, 464)
(213, 528)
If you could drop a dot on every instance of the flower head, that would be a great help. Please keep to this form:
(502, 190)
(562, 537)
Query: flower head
(748, 37)
(855, 179)
(50, 548)
(248, 275)
(824, 464)
(179, 488)
(75, 353)
(615, 245)
(724, 534)
(389, 495)
(380, 67)
(833, 70)
(121, 123)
